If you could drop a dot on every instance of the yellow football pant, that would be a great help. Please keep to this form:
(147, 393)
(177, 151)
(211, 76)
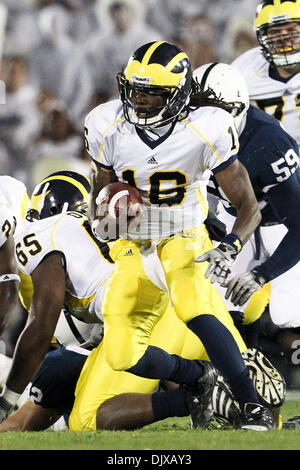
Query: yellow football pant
(133, 304)
(257, 304)
(98, 382)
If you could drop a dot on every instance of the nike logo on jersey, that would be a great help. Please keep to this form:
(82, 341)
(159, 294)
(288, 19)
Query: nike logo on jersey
(152, 161)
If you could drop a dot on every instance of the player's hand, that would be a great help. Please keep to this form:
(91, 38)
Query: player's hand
(220, 262)
(5, 409)
(242, 286)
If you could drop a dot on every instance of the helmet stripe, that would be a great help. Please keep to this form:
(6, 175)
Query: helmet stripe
(150, 51)
(175, 60)
(72, 181)
(205, 75)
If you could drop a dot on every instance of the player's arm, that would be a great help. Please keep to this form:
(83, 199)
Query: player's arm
(234, 181)
(99, 177)
(30, 417)
(284, 198)
(9, 282)
(49, 283)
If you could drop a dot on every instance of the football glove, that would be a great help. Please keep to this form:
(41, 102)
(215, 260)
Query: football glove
(220, 262)
(242, 286)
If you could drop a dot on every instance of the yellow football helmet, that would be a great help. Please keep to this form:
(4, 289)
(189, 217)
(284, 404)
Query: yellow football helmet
(156, 68)
(59, 192)
(279, 49)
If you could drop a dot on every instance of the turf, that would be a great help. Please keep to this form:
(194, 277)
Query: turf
(171, 434)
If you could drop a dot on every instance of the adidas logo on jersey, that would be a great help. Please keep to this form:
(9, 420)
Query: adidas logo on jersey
(152, 161)
(129, 253)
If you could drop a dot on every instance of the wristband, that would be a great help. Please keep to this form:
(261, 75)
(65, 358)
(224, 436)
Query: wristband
(10, 277)
(233, 240)
(10, 396)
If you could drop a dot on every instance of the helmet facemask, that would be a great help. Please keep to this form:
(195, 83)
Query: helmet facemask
(280, 49)
(156, 69)
(175, 100)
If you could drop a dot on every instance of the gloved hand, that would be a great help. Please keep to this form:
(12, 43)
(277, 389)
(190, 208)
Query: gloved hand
(242, 286)
(220, 262)
(5, 409)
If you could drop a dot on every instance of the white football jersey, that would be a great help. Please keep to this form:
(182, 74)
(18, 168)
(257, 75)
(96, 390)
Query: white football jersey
(171, 170)
(86, 262)
(13, 206)
(275, 95)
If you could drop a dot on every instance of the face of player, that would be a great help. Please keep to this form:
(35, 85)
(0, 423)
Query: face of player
(144, 102)
(285, 38)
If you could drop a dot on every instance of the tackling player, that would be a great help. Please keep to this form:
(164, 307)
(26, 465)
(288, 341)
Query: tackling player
(52, 395)
(49, 253)
(273, 250)
(273, 80)
(57, 275)
(151, 139)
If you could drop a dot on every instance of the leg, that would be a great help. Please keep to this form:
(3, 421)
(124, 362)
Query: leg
(129, 319)
(204, 312)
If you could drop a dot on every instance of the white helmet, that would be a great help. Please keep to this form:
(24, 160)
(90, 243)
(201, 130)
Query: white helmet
(228, 90)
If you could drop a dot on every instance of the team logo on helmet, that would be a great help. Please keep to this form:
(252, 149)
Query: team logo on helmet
(158, 69)
(59, 192)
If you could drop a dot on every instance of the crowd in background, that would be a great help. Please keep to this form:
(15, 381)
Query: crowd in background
(60, 59)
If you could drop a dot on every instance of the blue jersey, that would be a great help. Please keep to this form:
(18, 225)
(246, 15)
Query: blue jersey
(54, 384)
(271, 157)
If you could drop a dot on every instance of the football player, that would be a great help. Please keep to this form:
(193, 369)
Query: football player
(13, 207)
(151, 139)
(62, 266)
(48, 255)
(272, 254)
(52, 394)
(272, 69)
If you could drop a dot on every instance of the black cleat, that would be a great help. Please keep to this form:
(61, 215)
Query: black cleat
(257, 418)
(226, 411)
(199, 397)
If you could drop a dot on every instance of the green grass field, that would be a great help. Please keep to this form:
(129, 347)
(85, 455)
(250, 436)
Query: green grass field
(171, 434)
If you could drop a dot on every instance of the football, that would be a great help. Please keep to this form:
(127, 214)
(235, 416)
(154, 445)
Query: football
(120, 199)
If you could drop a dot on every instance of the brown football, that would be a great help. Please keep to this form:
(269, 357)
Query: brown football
(119, 199)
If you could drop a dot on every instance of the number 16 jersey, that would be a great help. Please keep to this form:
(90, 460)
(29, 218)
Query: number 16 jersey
(171, 170)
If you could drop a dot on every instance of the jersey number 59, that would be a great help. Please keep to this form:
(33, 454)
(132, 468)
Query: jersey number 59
(285, 166)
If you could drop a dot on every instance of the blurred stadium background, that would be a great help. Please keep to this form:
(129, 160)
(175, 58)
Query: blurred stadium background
(60, 59)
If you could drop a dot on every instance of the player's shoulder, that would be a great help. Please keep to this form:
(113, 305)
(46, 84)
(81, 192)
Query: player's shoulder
(105, 116)
(264, 136)
(45, 227)
(206, 115)
(268, 128)
(251, 62)
(10, 182)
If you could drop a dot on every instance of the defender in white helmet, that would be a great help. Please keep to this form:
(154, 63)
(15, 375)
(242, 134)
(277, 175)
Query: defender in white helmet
(271, 257)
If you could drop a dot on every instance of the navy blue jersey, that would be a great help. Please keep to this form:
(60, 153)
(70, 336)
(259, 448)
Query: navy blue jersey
(54, 384)
(271, 157)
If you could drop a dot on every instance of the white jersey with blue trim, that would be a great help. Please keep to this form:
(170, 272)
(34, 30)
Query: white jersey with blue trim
(170, 170)
(13, 206)
(86, 261)
(268, 91)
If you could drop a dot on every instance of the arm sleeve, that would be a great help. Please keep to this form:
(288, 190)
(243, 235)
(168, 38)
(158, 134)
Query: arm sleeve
(284, 199)
(96, 143)
(223, 147)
